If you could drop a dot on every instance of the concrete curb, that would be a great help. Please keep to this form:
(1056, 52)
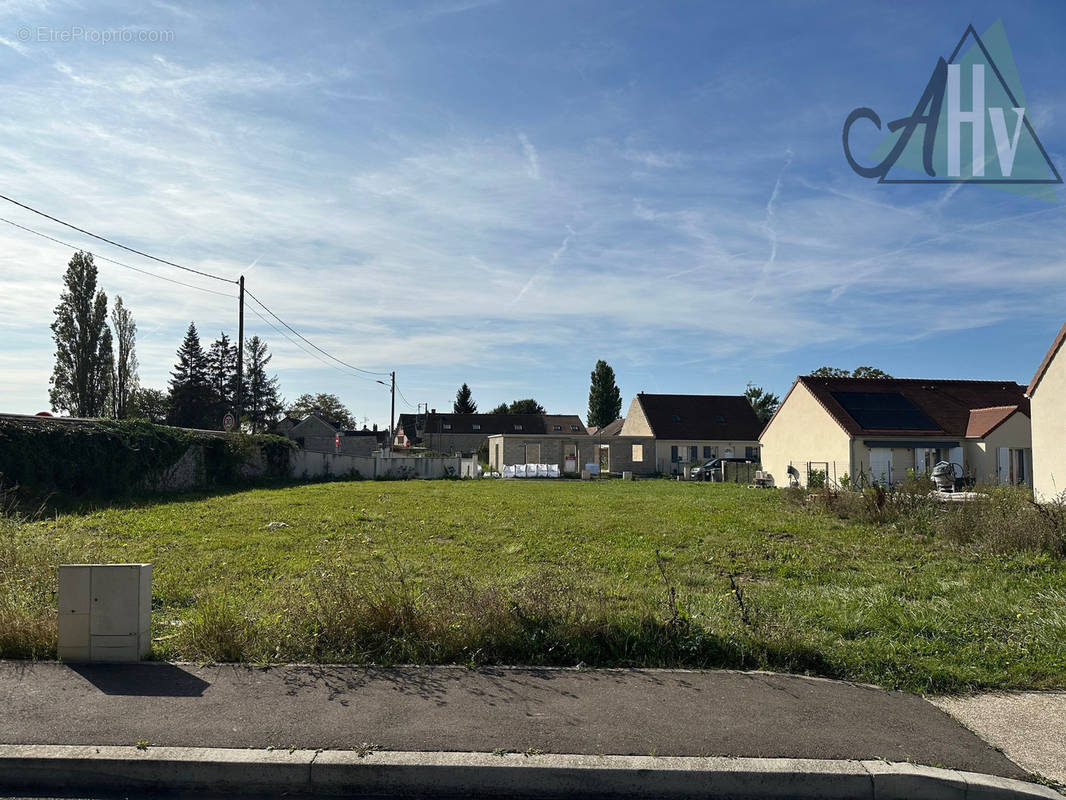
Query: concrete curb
(401, 774)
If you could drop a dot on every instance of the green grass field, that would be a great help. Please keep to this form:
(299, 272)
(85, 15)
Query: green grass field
(554, 573)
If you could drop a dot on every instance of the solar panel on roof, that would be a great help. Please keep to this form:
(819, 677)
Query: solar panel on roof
(884, 411)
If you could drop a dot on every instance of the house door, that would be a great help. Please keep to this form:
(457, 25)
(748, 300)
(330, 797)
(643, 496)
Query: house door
(605, 458)
(533, 453)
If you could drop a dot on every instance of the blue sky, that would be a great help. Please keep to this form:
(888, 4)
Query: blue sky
(504, 192)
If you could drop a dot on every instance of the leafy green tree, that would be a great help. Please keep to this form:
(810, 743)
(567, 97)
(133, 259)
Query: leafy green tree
(222, 373)
(192, 402)
(81, 378)
(763, 402)
(262, 401)
(605, 401)
(831, 372)
(526, 406)
(124, 375)
(464, 403)
(150, 404)
(500, 409)
(869, 372)
(860, 372)
(327, 406)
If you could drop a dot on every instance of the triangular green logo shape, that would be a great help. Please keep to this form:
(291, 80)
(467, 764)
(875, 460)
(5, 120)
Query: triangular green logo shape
(1031, 172)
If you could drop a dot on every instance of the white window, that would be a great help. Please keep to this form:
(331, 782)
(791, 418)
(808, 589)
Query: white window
(518, 427)
(638, 452)
(447, 426)
(476, 426)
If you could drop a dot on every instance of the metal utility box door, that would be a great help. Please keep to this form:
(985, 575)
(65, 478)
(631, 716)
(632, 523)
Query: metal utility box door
(105, 611)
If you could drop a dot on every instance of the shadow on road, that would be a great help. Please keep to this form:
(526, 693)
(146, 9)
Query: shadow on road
(146, 680)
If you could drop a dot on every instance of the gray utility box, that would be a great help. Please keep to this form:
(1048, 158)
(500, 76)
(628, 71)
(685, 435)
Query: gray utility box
(105, 612)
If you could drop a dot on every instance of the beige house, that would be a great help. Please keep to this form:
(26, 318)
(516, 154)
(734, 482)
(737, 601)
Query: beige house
(571, 453)
(1047, 395)
(875, 430)
(694, 428)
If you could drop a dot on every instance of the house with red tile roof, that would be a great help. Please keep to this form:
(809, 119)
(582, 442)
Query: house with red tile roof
(1047, 396)
(873, 430)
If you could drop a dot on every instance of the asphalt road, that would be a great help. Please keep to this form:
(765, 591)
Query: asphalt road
(613, 712)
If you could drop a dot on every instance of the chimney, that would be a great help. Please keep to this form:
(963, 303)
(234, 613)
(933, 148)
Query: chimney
(433, 411)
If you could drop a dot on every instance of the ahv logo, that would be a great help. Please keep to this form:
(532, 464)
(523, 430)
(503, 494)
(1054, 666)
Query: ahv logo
(975, 125)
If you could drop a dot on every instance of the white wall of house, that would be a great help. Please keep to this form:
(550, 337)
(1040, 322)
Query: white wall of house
(802, 431)
(1006, 455)
(1049, 430)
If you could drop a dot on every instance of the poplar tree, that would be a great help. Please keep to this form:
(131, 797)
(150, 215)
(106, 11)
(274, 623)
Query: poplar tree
(124, 376)
(81, 378)
(605, 401)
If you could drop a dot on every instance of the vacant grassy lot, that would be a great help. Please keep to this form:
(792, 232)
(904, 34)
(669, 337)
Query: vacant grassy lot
(555, 573)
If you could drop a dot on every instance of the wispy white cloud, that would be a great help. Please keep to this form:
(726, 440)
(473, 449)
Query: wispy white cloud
(19, 48)
(530, 152)
(395, 232)
(547, 270)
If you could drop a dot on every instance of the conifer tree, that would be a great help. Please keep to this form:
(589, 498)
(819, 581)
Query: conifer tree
(262, 401)
(464, 404)
(191, 399)
(222, 372)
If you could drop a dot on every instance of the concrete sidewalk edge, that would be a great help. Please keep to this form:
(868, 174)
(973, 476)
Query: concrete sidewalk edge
(64, 768)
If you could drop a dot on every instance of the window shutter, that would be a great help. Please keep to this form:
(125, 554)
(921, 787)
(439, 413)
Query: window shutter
(1003, 462)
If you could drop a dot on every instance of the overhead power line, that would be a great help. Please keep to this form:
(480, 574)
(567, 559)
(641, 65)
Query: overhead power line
(356, 370)
(114, 243)
(409, 403)
(117, 263)
(297, 344)
(308, 341)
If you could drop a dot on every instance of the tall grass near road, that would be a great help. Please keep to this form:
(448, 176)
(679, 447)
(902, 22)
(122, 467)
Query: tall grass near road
(611, 573)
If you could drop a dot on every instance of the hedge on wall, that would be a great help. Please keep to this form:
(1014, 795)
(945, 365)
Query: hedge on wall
(108, 458)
